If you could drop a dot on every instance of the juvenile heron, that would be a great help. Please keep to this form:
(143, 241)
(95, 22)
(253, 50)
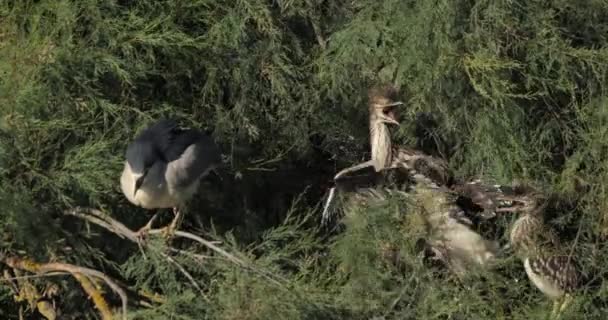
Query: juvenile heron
(164, 165)
(451, 235)
(383, 103)
(382, 112)
(551, 270)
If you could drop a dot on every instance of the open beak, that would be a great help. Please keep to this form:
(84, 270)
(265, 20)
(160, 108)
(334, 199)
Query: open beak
(510, 204)
(388, 112)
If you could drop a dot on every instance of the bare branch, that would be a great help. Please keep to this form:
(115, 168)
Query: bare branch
(101, 219)
(52, 267)
(49, 274)
(98, 300)
(187, 275)
(116, 227)
(198, 257)
(325, 214)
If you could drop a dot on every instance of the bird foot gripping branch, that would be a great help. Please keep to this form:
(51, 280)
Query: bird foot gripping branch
(143, 231)
(169, 231)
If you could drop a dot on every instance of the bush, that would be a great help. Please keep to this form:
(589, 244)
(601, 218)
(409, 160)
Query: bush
(503, 89)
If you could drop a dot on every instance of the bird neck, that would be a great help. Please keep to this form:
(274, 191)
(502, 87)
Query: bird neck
(380, 141)
(529, 236)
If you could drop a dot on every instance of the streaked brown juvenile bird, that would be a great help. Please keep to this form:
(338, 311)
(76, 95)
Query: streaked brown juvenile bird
(551, 270)
(382, 106)
(439, 221)
(451, 234)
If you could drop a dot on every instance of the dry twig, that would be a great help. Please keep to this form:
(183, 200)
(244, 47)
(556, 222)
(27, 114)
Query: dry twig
(103, 220)
(79, 273)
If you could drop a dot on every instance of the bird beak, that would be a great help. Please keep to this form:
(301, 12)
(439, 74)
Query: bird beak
(394, 104)
(388, 112)
(391, 120)
(138, 184)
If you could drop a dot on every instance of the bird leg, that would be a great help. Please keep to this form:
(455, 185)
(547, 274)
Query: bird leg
(555, 311)
(560, 305)
(175, 223)
(143, 231)
(142, 234)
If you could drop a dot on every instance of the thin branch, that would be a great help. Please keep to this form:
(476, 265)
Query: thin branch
(116, 227)
(51, 267)
(187, 275)
(198, 257)
(209, 245)
(93, 292)
(103, 220)
(318, 34)
(99, 218)
(46, 275)
(325, 214)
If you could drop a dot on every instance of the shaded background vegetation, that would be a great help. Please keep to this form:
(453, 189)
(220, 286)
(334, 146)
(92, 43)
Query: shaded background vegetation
(503, 89)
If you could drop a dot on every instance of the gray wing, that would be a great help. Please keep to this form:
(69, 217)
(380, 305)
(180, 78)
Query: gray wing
(196, 160)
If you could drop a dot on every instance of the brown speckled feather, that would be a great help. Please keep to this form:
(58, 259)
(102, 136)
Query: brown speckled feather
(560, 270)
(529, 235)
(436, 169)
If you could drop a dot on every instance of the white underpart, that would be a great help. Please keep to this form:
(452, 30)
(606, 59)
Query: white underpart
(515, 229)
(543, 283)
(461, 245)
(159, 189)
(381, 145)
(152, 194)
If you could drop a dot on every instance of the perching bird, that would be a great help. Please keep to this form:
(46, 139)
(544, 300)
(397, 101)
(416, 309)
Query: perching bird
(164, 165)
(529, 233)
(385, 156)
(382, 112)
(552, 271)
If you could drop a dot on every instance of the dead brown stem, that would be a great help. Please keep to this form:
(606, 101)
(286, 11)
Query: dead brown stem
(101, 219)
(51, 267)
(96, 296)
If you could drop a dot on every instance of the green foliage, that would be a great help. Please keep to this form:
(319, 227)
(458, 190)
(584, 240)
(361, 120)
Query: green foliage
(516, 89)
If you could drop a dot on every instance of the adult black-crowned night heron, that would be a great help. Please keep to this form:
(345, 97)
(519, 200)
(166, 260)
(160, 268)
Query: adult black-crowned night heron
(551, 270)
(164, 165)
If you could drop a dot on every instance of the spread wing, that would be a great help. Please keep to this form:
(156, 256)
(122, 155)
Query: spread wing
(479, 196)
(433, 168)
